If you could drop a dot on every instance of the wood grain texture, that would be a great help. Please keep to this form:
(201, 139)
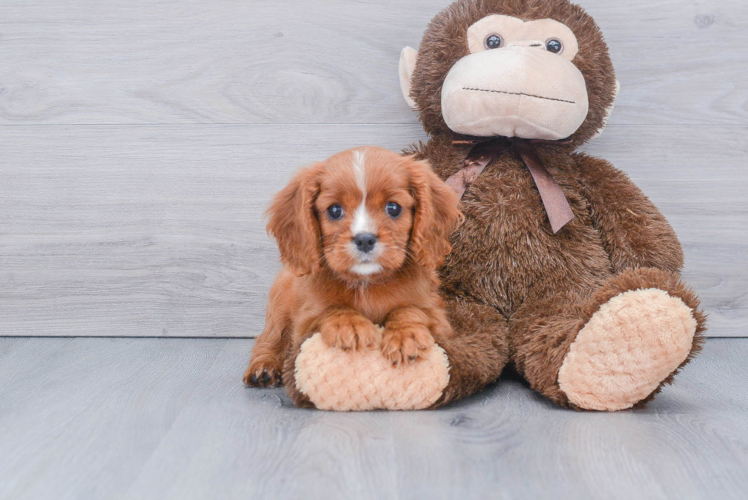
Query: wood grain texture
(168, 418)
(158, 230)
(260, 61)
(148, 231)
(141, 141)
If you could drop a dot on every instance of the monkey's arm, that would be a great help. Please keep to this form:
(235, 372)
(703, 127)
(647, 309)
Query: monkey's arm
(634, 233)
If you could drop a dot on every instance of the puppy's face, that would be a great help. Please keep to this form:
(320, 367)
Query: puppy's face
(363, 213)
(365, 209)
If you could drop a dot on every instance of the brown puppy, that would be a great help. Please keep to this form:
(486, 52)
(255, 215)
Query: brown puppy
(360, 237)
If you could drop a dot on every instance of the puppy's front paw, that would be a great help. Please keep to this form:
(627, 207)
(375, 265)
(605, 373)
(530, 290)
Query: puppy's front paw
(349, 330)
(263, 373)
(406, 342)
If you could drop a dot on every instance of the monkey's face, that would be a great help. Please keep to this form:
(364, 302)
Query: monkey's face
(536, 70)
(517, 81)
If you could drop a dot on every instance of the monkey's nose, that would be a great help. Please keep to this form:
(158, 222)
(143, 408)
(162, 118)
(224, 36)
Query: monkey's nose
(365, 242)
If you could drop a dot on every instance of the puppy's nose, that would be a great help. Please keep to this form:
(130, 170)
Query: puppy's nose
(365, 242)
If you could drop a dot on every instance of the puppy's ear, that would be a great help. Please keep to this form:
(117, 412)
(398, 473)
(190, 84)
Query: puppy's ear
(437, 214)
(293, 222)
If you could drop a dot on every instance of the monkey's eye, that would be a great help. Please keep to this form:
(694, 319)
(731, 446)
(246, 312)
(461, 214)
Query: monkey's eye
(393, 209)
(335, 211)
(554, 45)
(493, 41)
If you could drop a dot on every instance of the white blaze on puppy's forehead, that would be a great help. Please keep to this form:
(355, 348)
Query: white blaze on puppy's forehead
(362, 222)
(359, 169)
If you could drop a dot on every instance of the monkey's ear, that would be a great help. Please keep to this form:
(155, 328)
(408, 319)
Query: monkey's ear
(408, 58)
(608, 112)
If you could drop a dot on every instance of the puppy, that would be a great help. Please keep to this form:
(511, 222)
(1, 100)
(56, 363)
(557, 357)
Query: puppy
(361, 236)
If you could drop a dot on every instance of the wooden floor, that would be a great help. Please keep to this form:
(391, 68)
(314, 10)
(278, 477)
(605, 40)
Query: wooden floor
(169, 419)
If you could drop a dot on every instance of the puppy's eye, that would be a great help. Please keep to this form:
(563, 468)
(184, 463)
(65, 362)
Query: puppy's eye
(493, 41)
(335, 211)
(393, 209)
(554, 45)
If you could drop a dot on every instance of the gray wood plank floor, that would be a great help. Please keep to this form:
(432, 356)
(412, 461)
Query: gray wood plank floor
(169, 418)
(140, 142)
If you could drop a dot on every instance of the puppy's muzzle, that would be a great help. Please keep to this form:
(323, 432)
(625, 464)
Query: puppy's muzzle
(365, 242)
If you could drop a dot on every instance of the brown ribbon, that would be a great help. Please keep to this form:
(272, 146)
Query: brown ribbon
(483, 152)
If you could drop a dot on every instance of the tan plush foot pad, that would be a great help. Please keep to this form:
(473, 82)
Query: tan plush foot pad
(630, 345)
(364, 380)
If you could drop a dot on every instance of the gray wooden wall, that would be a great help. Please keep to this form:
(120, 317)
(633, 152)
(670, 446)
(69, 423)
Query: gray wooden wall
(140, 142)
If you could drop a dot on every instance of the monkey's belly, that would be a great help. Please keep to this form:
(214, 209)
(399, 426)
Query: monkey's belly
(505, 253)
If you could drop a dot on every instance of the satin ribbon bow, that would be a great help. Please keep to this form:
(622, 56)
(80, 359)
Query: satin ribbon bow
(485, 150)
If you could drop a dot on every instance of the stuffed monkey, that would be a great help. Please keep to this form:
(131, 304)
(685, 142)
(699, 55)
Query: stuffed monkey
(563, 267)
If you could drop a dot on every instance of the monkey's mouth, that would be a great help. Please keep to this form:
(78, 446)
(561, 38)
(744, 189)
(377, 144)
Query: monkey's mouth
(519, 93)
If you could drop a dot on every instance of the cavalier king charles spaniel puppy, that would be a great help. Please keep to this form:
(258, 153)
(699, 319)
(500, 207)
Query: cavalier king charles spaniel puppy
(360, 236)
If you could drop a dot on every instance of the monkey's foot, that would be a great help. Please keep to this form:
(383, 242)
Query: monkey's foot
(361, 380)
(628, 347)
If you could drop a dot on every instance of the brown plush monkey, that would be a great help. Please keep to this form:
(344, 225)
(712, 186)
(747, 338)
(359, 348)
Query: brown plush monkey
(563, 267)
